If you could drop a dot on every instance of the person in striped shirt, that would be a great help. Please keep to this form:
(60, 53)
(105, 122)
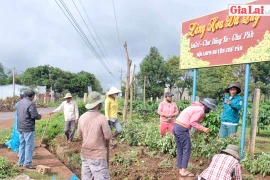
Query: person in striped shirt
(224, 166)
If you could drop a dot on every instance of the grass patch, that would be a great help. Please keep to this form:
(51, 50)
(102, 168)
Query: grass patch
(54, 104)
(5, 135)
(55, 127)
(36, 175)
(262, 140)
(7, 169)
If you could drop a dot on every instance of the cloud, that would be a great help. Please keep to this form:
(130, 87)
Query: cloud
(37, 32)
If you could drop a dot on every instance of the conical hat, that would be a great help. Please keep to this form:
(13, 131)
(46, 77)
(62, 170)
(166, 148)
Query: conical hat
(113, 90)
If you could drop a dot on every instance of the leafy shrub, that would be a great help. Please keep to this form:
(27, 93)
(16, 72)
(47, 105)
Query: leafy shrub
(55, 127)
(81, 106)
(264, 116)
(212, 121)
(204, 145)
(7, 170)
(261, 164)
(137, 134)
(133, 133)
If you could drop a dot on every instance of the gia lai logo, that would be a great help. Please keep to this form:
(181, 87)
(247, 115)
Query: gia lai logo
(249, 10)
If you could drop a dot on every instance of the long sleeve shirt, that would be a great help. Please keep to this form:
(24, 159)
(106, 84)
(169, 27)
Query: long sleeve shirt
(70, 109)
(27, 114)
(111, 108)
(222, 167)
(230, 114)
(169, 109)
(94, 129)
(192, 116)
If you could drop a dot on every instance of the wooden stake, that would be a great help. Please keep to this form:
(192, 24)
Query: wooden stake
(84, 97)
(131, 94)
(129, 62)
(254, 120)
(144, 90)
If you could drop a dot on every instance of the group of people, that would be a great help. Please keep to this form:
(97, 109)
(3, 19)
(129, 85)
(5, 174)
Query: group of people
(223, 165)
(95, 130)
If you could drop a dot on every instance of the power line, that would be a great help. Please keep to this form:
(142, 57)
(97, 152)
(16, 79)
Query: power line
(95, 31)
(81, 33)
(90, 32)
(78, 26)
(117, 31)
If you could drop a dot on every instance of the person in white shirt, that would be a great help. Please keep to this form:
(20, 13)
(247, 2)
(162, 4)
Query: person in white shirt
(71, 114)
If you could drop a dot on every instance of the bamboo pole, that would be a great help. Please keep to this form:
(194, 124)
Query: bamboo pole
(129, 62)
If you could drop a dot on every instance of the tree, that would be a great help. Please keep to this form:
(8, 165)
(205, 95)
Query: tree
(210, 84)
(3, 76)
(59, 80)
(176, 78)
(154, 68)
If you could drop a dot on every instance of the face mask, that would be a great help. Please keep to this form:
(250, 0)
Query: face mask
(168, 101)
(207, 110)
(100, 106)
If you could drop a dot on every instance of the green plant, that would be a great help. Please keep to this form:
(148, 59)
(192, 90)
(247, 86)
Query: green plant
(81, 106)
(207, 146)
(55, 127)
(212, 121)
(257, 165)
(133, 133)
(7, 170)
(126, 161)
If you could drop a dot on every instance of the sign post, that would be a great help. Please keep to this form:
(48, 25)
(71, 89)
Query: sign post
(245, 111)
(219, 39)
(194, 85)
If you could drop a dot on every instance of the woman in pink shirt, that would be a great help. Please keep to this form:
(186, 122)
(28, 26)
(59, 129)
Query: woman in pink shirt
(167, 111)
(189, 117)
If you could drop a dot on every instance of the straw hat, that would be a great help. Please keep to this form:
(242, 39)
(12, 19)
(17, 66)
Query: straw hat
(68, 95)
(93, 99)
(232, 150)
(113, 90)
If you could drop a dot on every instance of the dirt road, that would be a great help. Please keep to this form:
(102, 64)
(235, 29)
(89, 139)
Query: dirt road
(7, 118)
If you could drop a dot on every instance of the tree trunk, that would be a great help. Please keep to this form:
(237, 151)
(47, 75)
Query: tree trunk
(131, 94)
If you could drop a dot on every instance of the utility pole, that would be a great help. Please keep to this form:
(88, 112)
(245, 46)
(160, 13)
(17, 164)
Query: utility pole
(13, 81)
(131, 94)
(144, 90)
(129, 62)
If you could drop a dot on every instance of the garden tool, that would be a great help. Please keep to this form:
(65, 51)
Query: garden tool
(108, 151)
(44, 132)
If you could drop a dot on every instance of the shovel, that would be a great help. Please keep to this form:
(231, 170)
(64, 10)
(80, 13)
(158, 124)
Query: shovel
(108, 151)
(44, 132)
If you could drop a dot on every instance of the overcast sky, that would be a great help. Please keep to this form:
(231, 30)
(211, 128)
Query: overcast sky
(36, 32)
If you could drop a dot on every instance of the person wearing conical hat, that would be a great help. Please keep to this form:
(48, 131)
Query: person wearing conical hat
(71, 113)
(111, 112)
(232, 104)
(223, 166)
(94, 130)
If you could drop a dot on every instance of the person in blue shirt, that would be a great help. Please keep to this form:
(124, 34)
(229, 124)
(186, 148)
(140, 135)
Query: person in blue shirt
(230, 116)
(14, 142)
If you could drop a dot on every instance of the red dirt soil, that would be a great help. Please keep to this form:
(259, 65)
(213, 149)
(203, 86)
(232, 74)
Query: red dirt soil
(138, 163)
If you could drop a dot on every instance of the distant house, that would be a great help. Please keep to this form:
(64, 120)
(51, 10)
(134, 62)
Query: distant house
(7, 90)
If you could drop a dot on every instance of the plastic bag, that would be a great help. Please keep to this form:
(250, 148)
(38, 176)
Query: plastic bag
(74, 177)
(14, 142)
